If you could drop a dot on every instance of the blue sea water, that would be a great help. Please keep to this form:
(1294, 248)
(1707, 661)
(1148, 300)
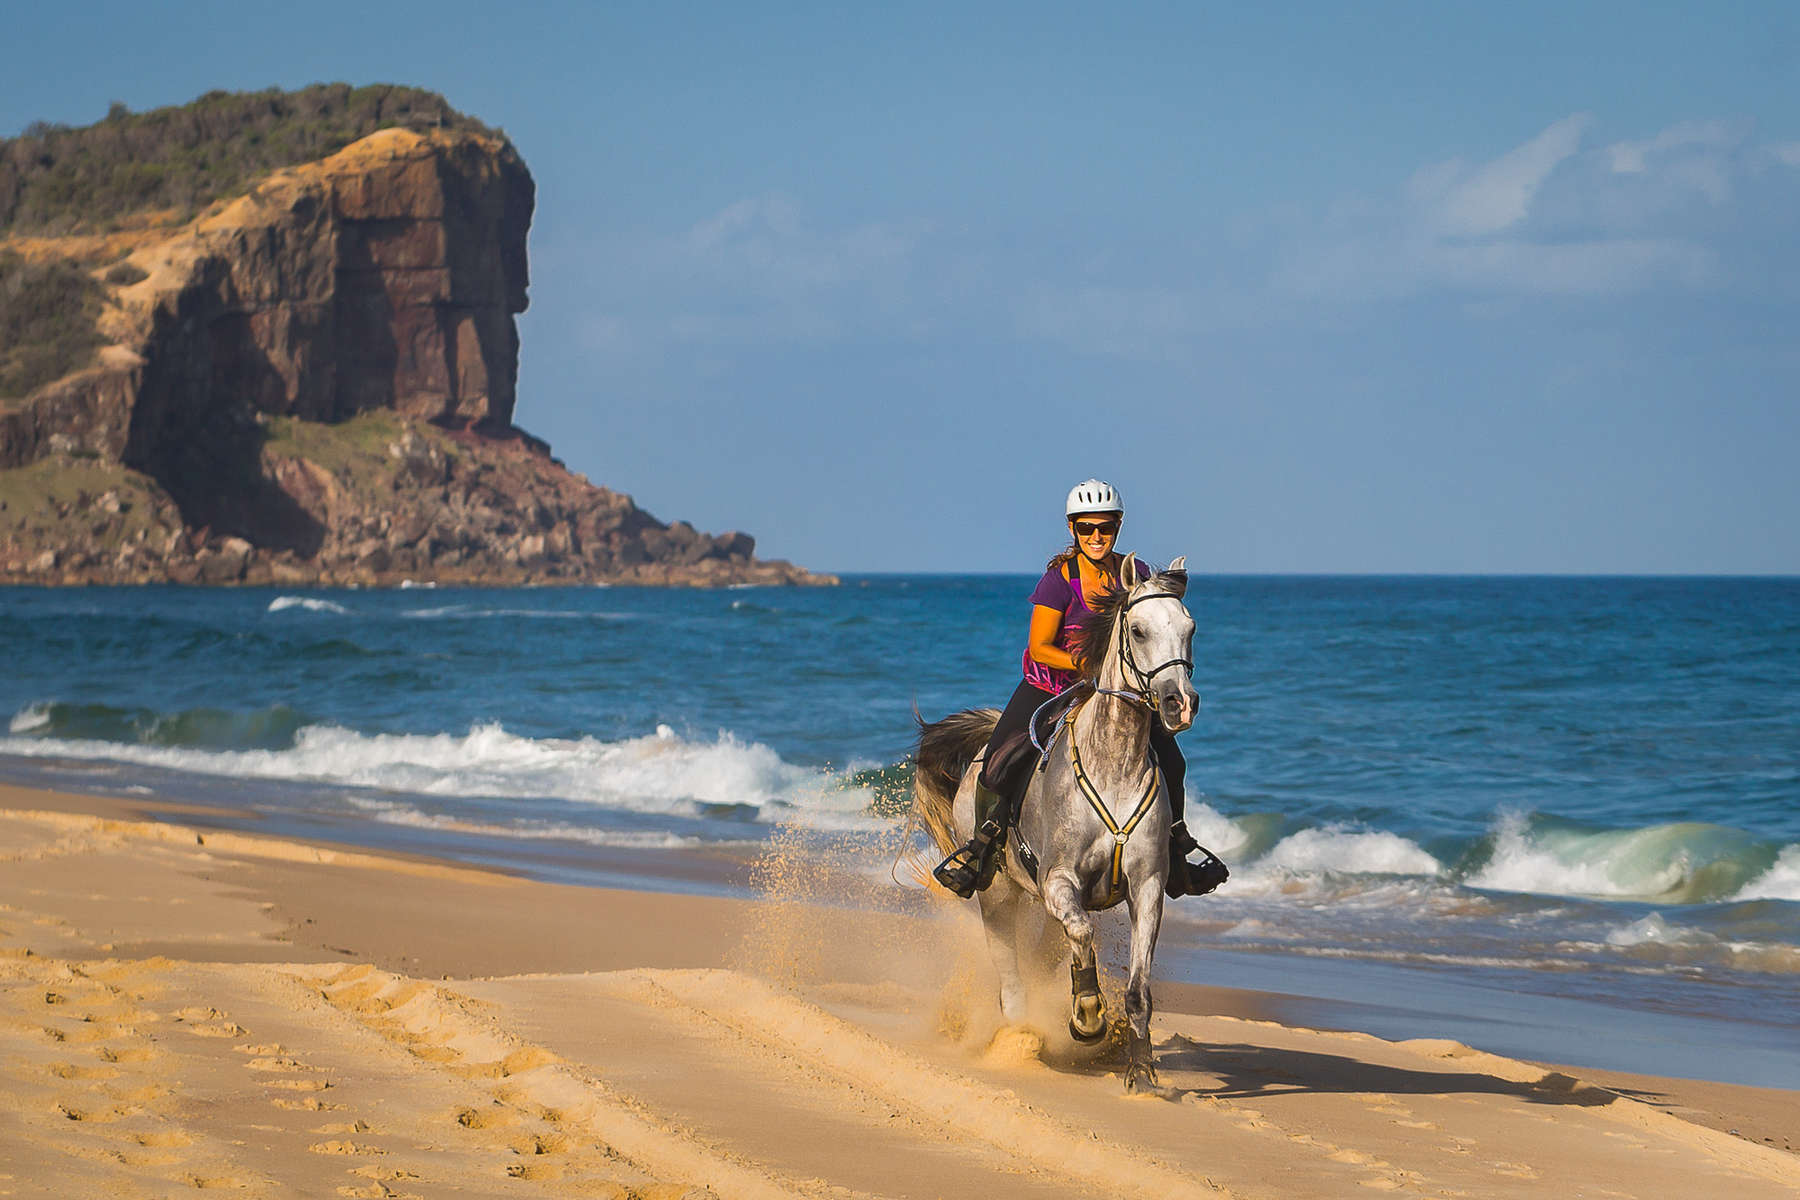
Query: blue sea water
(1580, 791)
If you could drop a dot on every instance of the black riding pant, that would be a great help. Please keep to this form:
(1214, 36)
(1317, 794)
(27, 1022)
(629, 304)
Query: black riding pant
(1014, 718)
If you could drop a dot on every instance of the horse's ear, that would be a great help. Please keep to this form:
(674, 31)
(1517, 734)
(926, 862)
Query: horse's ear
(1128, 572)
(1176, 573)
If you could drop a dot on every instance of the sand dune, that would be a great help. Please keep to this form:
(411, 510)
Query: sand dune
(181, 1010)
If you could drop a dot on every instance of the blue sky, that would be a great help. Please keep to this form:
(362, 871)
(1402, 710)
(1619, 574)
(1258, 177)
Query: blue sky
(1321, 287)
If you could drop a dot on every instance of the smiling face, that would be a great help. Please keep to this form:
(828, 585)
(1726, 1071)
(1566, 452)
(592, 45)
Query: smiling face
(1095, 533)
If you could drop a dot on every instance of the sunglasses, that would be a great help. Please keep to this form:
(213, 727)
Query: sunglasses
(1090, 528)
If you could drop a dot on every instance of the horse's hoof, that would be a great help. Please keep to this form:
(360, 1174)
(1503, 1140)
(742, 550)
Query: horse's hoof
(1140, 1078)
(1087, 1023)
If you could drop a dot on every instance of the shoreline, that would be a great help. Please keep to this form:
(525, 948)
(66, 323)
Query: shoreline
(1680, 1028)
(653, 1019)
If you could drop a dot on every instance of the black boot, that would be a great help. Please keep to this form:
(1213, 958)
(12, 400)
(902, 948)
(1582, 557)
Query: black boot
(1191, 879)
(970, 868)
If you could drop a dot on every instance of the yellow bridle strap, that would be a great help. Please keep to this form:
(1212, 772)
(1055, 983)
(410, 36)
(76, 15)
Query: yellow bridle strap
(1121, 833)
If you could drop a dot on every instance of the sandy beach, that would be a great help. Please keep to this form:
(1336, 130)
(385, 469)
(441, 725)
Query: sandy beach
(186, 1008)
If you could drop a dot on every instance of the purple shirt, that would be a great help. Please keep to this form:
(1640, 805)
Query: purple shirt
(1056, 591)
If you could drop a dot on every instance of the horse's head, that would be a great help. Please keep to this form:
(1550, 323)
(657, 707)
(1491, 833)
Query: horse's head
(1156, 642)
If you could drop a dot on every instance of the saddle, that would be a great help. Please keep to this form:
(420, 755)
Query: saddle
(1008, 769)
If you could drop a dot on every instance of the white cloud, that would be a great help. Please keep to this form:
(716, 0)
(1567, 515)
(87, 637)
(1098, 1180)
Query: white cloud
(1126, 322)
(1386, 267)
(1546, 218)
(762, 244)
(1496, 195)
(755, 271)
(1633, 158)
(1575, 268)
(1549, 217)
(1786, 153)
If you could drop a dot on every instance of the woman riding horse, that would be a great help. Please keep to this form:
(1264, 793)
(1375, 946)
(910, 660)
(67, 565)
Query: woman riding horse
(1073, 581)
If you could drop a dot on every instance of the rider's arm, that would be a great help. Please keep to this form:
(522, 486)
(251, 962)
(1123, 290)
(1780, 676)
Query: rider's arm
(1046, 624)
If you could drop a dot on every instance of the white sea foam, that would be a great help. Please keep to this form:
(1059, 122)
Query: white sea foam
(1370, 870)
(389, 812)
(32, 716)
(1780, 882)
(659, 774)
(1655, 941)
(1216, 831)
(1259, 930)
(465, 612)
(309, 603)
(1343, 851)
(1648, 930)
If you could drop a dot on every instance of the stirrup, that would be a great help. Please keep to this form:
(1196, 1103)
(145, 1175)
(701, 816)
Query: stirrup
(1196, 878)
(970, 867)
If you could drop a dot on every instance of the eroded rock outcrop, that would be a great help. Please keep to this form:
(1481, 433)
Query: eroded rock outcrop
(314, 382)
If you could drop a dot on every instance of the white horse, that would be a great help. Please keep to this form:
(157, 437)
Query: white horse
(1093, 826)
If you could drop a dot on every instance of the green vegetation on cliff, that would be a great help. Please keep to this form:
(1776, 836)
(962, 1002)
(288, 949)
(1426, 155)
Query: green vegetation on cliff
(47, 313)
(100, 506)
(58, 180)
(339, 447)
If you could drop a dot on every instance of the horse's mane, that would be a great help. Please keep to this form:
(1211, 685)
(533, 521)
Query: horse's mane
(1097, 627)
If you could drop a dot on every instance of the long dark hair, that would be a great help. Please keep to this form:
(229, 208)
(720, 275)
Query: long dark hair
(1098, 626)
(1096, 633)
(1069, 553)
(1066, 554)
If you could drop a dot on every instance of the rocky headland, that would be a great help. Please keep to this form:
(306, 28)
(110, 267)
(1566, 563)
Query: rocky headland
(311, 382)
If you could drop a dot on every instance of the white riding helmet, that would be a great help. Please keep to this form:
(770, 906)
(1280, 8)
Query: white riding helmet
(1094, 496)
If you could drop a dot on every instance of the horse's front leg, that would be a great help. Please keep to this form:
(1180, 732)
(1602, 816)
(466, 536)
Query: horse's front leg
(1087, 1011)
(1146, 923)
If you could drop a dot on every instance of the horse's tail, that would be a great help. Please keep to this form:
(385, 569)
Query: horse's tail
(946, 748)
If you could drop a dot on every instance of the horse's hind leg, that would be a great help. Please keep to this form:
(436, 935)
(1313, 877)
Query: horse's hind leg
(1087, 1010)
(1146, 922)
(1000, 912)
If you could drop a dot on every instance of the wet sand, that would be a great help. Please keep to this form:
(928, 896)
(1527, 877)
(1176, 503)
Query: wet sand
(187, 1008)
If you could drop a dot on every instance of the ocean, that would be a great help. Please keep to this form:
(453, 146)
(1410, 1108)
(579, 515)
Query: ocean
(1557, 817)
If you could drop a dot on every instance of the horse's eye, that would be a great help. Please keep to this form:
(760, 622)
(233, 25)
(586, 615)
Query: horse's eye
(1137, 631)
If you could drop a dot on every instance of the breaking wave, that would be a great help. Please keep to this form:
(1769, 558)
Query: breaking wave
(62, 729)
(467, 612)
(447, 612)
(729, 780)
(1682, 863)
(1780, 882)
(662, 773)
(308, 603)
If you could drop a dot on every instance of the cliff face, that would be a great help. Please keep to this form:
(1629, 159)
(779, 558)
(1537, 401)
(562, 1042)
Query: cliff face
(316, 382)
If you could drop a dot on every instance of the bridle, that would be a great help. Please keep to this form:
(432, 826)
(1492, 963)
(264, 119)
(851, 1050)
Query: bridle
(1128, 663)
(1141, 693)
